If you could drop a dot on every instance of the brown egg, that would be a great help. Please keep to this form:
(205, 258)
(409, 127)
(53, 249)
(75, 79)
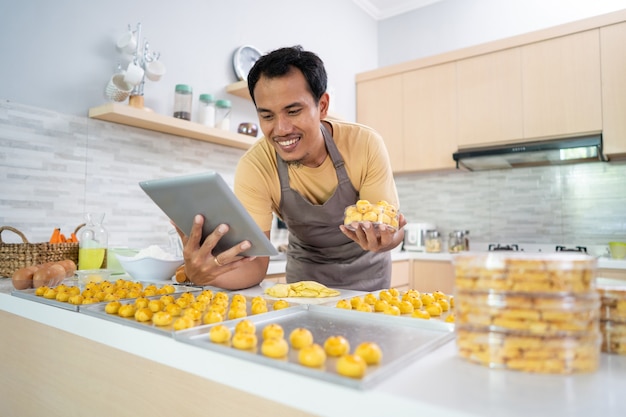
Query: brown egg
(23, 278)
(48, 275)
(69, 266)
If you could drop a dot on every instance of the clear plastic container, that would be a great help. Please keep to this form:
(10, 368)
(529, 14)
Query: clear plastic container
(206, 110)
(93, 242)
(525, 272)
(613, 337)
(222, 114)
(613, 302)
(537, 314)
(183, 96)
(376, 213)
(530, 353)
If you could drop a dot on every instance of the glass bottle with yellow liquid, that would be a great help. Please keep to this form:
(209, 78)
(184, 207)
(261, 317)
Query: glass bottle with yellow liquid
(93, 240)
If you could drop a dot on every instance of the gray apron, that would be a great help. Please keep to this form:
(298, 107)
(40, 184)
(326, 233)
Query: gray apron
(317, 249)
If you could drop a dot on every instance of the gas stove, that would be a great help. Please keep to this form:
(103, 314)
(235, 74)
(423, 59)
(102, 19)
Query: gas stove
(514, 247)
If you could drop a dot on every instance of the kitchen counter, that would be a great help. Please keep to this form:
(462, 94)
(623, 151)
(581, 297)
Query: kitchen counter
(57, 360)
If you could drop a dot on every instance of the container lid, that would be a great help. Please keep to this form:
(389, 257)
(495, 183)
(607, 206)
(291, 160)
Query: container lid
(207, 98)
(223, 103)
(183, 88)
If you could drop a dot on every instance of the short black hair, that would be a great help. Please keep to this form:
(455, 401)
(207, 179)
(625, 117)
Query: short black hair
(280, 61)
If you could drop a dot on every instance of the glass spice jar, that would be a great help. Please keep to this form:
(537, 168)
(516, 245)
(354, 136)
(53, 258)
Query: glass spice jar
(222, 114)
(183, 95)
(456, 241)
(433, 241)
(206, 110)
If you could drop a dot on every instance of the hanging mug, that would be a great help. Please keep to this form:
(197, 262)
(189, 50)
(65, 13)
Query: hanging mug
(117, 89)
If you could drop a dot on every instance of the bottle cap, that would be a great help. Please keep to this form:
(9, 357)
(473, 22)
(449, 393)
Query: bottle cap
(208, 98)
(223, 104)
(183, 88)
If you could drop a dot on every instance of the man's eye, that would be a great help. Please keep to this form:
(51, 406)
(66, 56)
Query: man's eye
(294, 112)
(266, 116)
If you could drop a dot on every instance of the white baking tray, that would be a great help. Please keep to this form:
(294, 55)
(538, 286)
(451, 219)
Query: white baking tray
(402, 341)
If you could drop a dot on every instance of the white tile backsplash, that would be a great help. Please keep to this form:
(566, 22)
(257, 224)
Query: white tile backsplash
(56, 167)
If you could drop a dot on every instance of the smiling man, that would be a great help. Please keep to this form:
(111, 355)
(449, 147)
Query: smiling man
(306, 170)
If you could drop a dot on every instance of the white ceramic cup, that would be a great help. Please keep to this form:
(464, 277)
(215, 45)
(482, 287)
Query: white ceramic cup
(117, 89)
(155, 70)
(133, 74)
(127, 43)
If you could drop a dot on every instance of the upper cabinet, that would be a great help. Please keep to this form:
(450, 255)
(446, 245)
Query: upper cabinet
(613, 46)
(561, 86)
(430, 118)
(379, 106)
(559, 82)
(490, 98)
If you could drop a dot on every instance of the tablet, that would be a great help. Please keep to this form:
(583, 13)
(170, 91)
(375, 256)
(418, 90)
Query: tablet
(181, 198)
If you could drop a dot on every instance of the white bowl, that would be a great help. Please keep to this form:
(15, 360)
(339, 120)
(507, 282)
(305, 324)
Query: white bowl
(149, 269)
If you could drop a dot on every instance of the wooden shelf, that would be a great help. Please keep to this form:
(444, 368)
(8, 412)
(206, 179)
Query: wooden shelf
(240, 89)
(145, 119)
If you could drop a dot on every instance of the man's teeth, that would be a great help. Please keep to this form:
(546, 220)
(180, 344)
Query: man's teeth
(288, 142)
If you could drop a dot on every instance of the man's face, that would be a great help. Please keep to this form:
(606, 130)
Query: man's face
(290, 118)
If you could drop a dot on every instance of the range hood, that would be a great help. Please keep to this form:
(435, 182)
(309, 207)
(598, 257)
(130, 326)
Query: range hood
(549, 152)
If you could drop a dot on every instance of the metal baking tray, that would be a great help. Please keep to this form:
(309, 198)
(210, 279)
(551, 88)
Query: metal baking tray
(29, 294)
(98, 310)
(402, 341)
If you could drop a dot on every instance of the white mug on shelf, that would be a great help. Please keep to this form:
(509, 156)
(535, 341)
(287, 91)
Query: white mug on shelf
(155, 70)
(133, 74)
(127, 43)
(117, 89)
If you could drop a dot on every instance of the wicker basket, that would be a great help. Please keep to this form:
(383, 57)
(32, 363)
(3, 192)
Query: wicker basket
(14, 256)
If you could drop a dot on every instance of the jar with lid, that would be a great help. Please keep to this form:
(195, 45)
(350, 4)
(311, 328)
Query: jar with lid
(466, 238)
(456, 241)
(206, 110)
(93, 241)
(222, 114)
(183, 95)
(433, 241)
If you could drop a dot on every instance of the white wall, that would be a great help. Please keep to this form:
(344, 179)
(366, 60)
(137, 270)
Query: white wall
(60, 54)
(453, 24)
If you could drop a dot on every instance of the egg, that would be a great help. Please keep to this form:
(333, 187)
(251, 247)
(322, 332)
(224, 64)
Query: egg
(23, 278)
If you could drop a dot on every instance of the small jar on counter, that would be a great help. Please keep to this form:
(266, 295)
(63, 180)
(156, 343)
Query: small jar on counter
(222, 114)
(183, 95)
(456, 241)
(206, 110)
(432, 242)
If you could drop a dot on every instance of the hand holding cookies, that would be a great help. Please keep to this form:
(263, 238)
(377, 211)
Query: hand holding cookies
(376, 227)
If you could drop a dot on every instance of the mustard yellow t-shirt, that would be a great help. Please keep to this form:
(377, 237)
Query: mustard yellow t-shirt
(366, 159)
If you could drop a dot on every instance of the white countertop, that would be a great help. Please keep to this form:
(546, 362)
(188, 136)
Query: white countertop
(278, 266)
(439, 384)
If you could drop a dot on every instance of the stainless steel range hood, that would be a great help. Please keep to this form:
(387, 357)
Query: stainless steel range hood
(549, 152)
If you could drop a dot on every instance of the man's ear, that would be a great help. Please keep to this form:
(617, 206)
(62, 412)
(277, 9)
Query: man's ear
(324, 104)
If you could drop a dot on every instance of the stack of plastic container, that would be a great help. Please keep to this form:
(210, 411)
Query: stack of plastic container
(613, 318)
(528, 312)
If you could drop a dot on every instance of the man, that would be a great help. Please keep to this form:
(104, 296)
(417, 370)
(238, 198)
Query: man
(306, 170)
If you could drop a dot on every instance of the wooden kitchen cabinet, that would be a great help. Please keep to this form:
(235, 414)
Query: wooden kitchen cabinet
(401, 275)
(490, 98)
(430, 118)
(431, 276)
(613, 59)
(379, 106)
(561, 87)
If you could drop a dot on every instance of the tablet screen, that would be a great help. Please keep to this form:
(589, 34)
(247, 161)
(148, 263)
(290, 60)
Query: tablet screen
(181, 198)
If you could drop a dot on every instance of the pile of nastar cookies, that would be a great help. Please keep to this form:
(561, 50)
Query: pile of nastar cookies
(98, 292)
(187, 309)
(312, 354)
(528, 312)
(377, 213)
(411, 303)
